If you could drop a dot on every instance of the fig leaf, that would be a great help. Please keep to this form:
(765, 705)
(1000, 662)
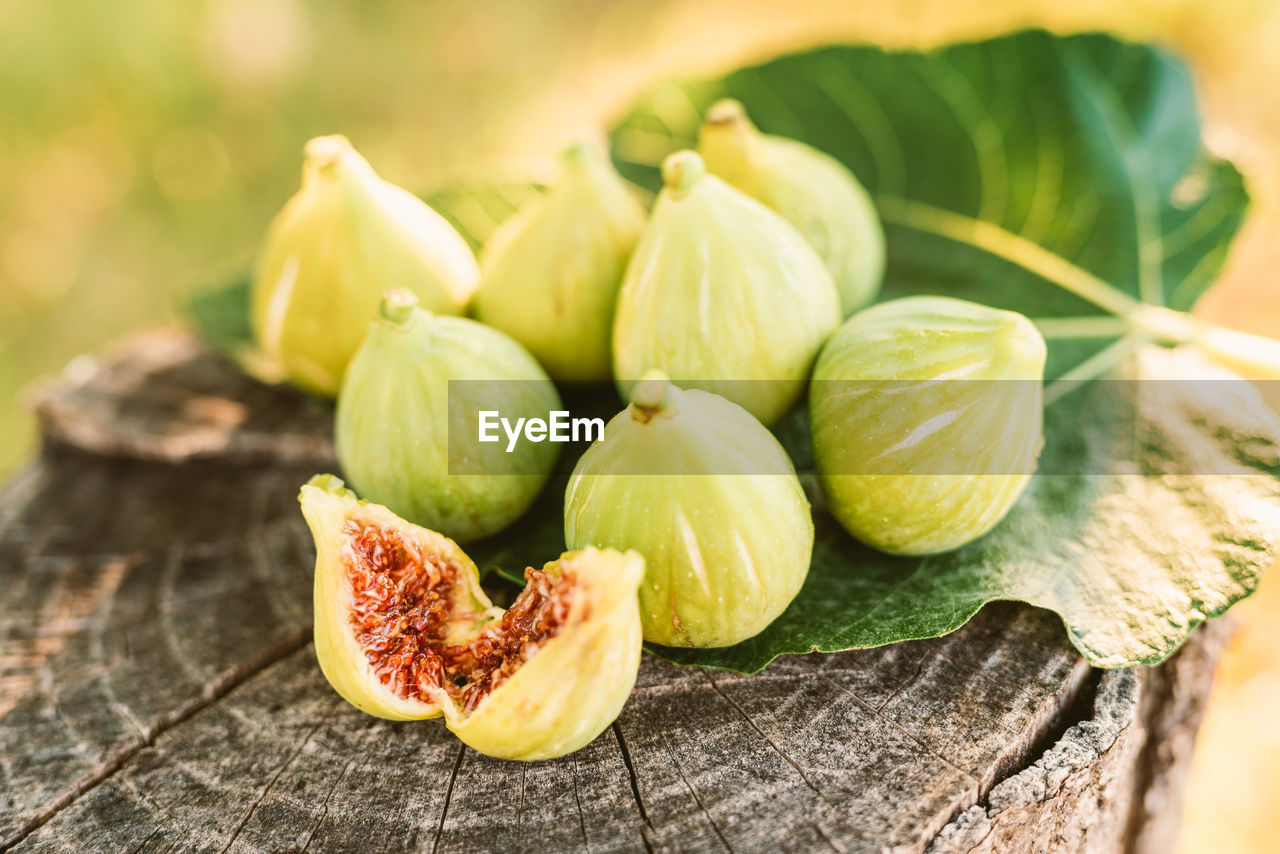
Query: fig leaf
(1064, 178)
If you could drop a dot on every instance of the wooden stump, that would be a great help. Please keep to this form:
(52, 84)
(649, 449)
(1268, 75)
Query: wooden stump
(158, 689)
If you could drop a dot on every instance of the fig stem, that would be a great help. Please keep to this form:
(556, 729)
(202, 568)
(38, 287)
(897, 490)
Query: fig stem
(727, 111)
(325, 152)
(398, 307)
(1253, 355)
(650, 396)
(682, 170)
(1256, 356)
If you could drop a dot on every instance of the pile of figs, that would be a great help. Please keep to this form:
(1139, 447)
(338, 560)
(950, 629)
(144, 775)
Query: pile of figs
(716, 310)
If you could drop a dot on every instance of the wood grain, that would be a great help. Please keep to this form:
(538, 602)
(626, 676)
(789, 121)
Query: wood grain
(158, 690)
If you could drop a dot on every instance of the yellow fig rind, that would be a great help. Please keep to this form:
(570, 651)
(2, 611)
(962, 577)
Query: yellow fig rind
(724, 524)
(577, 683)
(550, 273)
(810, 189)
(724, 295)
(975, 370)
(571, 688)
(399, 404)
(344, 238)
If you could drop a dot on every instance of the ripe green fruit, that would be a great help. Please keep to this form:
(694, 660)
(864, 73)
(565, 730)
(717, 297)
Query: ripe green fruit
(345, 238)
(722, 290)
(404, 631)
(926, 415)
(702, 490)
(812, 190)
(397, 408)
(550, 273)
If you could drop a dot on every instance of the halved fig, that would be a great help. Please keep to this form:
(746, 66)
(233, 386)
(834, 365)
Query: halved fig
(403, 630)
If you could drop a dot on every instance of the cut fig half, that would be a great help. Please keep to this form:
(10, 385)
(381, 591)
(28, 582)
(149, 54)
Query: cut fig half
(404, 631)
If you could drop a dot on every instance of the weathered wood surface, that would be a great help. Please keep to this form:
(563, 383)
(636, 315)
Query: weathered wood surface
(158, 689)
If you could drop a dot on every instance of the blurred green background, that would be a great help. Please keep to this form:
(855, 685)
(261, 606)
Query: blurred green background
(145, 145)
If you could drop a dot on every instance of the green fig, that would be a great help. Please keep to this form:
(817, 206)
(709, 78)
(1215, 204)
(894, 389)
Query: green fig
(419, 377)
(811, 190)
(550, 273)
(345, 238)
(404, 631)
(722, 294)
(927, 417)
(708, 496)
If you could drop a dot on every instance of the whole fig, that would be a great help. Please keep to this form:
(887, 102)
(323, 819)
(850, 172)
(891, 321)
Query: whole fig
(550, 273)
(416, 378)
(708, 496)
(926, 415)
(812, 190)
(722, 294)
(404, 631)
(341, 241)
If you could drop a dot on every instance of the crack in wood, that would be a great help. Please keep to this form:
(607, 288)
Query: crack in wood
(577, 799)
(760, 732)
(212, 693)
(144, 842)
(1169, 713)
(1077, 705)
(1074, 704)
(1073, 778)
(694, 794)
(1147, 761)
(631, 772)
(276, 776)
(899, 727)
(324, 809)
(448, 796)
(905, 683)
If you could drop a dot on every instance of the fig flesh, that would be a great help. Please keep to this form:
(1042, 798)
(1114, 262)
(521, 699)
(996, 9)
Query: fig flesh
(404, 631)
